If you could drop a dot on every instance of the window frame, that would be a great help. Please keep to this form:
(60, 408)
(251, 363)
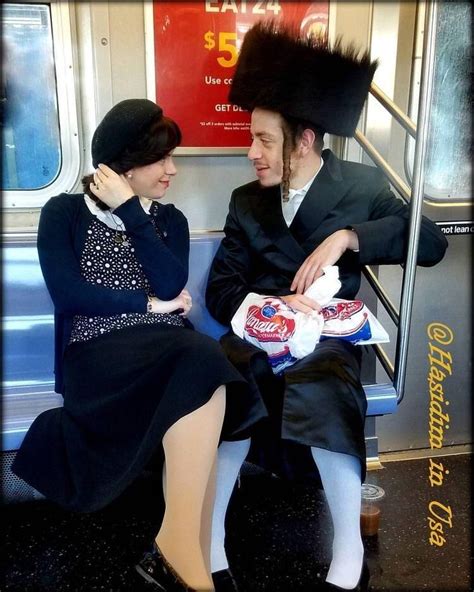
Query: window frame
(70, 146)
(433, 196)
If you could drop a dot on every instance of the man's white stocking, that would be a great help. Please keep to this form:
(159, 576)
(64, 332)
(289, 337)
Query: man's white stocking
(340, 476)
(230, 456)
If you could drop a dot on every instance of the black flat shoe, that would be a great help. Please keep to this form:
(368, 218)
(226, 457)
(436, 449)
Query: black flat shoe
(362, 586)
(154, 568)
(224, 581)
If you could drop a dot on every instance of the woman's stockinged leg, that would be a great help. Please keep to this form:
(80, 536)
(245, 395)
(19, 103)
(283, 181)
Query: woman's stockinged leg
(207, 513)
(206, 518)
(190, 447)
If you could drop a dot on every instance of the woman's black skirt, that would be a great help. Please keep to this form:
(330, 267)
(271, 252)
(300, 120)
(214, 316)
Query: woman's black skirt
(123, 391)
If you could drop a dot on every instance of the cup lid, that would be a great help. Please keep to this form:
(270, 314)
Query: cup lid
(372, 492)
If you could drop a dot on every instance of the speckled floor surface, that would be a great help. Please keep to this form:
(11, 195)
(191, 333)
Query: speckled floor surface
(279, 536)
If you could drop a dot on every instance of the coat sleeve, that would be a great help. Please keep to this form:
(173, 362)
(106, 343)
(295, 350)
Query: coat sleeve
(70, 292)
(164, 260)
(227, 285)
(383, 238)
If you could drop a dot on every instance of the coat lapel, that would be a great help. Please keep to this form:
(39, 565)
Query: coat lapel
(323, 196)
(267, 212)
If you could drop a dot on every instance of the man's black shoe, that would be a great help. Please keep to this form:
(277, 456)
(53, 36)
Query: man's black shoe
(224, 581)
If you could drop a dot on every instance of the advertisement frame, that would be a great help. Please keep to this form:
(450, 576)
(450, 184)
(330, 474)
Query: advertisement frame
(152, 67)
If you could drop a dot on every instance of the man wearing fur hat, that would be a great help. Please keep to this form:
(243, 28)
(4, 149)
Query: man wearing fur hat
(307, 210)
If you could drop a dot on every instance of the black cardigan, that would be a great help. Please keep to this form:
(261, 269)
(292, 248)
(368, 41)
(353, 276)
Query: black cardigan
(62, 234)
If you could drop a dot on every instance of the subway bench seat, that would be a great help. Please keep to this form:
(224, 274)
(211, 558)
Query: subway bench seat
(28, 334)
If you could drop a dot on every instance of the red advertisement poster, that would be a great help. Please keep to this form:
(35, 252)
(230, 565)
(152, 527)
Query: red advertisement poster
(196, 48)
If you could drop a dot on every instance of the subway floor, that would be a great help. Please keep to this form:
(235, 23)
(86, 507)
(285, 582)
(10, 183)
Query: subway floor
(279, 535)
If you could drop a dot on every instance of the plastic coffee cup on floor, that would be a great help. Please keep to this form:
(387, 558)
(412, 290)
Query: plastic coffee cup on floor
(370, 509)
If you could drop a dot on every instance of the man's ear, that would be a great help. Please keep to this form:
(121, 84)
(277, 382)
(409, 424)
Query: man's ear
(306, 141)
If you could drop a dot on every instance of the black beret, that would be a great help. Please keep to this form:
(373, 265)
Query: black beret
(120, 127)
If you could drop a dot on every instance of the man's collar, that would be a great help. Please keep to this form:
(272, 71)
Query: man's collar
(304, 190)
(332, 165)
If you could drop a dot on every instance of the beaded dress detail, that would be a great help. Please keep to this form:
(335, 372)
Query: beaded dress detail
(112, 264)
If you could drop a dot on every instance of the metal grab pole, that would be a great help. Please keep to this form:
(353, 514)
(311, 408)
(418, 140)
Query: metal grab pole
(406, 300)
(393, 109)
(393, 177)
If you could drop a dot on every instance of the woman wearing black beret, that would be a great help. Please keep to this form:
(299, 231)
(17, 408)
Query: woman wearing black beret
(134, 375)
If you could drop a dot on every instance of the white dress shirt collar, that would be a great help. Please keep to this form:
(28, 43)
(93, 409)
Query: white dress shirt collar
(295, 198)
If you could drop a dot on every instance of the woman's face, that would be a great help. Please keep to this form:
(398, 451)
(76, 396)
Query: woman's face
(152, 181)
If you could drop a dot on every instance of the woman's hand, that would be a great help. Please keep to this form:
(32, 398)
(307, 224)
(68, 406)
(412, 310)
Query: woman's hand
(110, 188)
(183, 301)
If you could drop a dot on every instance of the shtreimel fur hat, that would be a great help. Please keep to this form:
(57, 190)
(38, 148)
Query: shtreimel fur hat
(302, 78)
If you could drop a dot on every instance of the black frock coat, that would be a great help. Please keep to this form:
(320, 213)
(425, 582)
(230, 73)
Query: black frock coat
(321, 402)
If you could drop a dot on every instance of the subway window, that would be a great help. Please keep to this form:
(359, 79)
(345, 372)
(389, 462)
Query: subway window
(38, 105)
(448, 156)
(31, 143)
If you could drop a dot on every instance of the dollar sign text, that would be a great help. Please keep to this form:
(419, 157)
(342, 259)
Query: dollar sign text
(209, 39)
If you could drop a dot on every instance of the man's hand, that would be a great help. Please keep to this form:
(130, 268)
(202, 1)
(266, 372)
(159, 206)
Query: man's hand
(327, 253)
(110, 188)
(301, 303)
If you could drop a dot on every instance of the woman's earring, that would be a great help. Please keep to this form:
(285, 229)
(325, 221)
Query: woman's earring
(129, 175)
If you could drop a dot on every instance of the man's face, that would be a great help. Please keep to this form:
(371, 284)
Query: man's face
(266, 151)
